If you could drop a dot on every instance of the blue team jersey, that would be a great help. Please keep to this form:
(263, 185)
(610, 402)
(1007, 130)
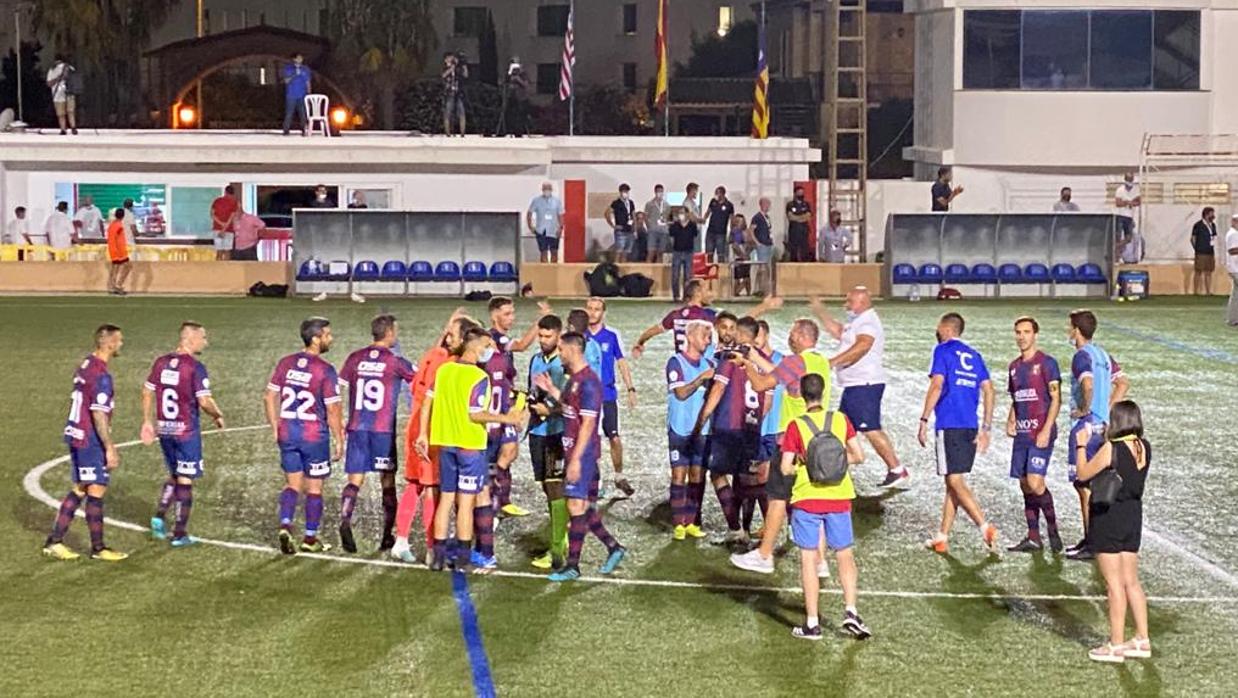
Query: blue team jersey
(593, 356)
(582, 397)
(553, 365)
(374, 376)
(177, 381)
(305, 384)
(1092, 361)
(1029, 389)
(964, 370)
(612, 351)
(681, 415)
(773, 400)
(92, 392)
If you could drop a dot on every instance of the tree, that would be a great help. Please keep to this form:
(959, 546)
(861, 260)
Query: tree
(37, 101)
(381, 46)
(730, 56)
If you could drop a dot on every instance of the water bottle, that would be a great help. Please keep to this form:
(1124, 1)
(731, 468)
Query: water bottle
(914, 294)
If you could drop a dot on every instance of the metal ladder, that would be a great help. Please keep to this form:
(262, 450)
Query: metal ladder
(848, 125)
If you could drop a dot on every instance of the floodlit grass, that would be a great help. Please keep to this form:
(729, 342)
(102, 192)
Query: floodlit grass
(212, 620)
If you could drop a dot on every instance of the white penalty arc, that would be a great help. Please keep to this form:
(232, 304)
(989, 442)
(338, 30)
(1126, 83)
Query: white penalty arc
(32, 483)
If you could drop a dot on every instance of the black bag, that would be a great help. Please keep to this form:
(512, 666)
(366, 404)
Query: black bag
(262, 290)
(478, 296)
(603, 281)
(1105, 486)
(636, 286)
(826, 457)
(73, 83)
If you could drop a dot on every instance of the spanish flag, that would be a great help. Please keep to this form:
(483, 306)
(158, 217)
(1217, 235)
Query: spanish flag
(760, 93)
(662, 89)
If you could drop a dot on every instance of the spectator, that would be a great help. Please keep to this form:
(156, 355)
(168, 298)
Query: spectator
(297, 83)
(620, 217)
(763, 238)
(943, 194)
(358, 199)
(35, 236)
(59, 227)
(1126, 202)
(17, 232)
(545, 221)
(62, 81)
(88, 220)
(799, 215)
(131, 225)
(118, 253)
(1064, 204)
(321, 199)
(683, 243)
(657, 218)
(248, 229)
(224, 211)
(1116, 528)
(741, 250)
(640, 239)
(1202, 235)
(454, 74)
(721, 210)
(690, 203)
(1231, 264)
(833, 240)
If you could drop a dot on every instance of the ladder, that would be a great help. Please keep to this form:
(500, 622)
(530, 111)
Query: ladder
(848, 121)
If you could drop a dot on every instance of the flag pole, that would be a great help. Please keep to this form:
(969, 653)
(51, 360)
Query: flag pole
(666, 104)
(571, 99)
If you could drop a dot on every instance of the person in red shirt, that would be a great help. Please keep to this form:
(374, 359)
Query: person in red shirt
(224, 212)
(118, 254)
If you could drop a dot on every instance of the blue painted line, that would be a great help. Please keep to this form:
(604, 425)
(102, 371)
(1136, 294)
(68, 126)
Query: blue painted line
(1207, 353)
(483, 684)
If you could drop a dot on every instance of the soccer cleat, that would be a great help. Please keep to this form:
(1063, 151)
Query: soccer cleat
(1027, 545)
(896, 480)
(543, 561)
(853, 624)
(804, 632)
(613, 560)
(567, 574)
(1083, 543)
(357, 297)
(680, 533)
(108, 555)
(437, 562)
(404, 555)
(60, 551)
(753, 562)
(938, 544)
(1137, 648)
(989, 532)
(314, 546)
(347, 542)
(1081, 554)
(183, 541)
(387, 543)
(482, 564)
(157, 530)
(823, 570)
(1107, 653)
(622, 484)
(1055, 542)
(286, 546)
(510, 509)
(694, 531)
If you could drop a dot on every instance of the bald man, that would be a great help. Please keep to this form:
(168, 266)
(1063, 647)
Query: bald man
(761, 229)
(545, 220)
(859, 365)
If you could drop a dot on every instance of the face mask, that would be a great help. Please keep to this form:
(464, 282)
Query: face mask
(624, 196)
(682, 219)
(851, 315)
(658, 196)
(547, 194)
(486, 355)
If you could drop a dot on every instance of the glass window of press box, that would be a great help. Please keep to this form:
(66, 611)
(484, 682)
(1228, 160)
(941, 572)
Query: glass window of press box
(1081, 50)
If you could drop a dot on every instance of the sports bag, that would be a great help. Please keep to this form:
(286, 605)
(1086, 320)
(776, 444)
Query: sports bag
(826, 457)
(636, 285)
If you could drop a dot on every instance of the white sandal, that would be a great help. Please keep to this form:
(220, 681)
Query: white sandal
(1108, 653)
(1137, 648)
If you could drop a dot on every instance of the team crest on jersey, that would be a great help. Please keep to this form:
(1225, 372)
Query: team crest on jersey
(85, 363)
(373, 353)
(674, 375)
(1035, 369)
(301, 362)
(174, 363)
(606, 346)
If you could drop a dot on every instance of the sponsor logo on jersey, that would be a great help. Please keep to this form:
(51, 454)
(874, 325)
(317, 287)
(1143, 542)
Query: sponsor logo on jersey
(298, 377)
(371, 367)
(170, 377)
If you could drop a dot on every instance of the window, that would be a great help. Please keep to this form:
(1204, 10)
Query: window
(1081, 50)
(547, 78)
(629, 18)
(726, 18)
(552, 20)
(629, 77)
(468, 21)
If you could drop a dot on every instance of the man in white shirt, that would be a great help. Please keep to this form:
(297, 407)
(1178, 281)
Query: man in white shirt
(89, 220)
(1231, 264)
(833, 240)
(59, 227)
(130, 222)
(65, 103)
(1064, 204)
(859, 367)
(17, 232)
(1126, 202)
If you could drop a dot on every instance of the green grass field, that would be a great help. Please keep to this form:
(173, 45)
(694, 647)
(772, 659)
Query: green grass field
(677, 619)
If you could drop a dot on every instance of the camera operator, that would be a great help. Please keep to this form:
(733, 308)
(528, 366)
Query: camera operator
(455, 72)
(514, 115)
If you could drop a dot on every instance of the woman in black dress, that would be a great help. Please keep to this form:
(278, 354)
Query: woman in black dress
(1116, 529)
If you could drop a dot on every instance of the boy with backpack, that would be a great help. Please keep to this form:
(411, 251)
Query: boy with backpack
(818, 450)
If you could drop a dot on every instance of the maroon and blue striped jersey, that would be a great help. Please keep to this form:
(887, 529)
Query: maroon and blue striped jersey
(740, 407)
(178, 380)
(677, 321)
(501, 370)
(306, 384)
(92, 392)
(1028, 386)
(582, 397)
(373, 376)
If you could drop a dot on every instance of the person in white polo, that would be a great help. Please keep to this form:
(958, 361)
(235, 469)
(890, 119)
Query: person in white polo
(859, 366)
(58, 228)
(1231, 264)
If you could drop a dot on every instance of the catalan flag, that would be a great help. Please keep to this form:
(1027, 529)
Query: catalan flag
(662, 88)
(760, 93)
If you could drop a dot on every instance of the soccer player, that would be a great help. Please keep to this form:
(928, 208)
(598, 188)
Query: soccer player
(303, 408)
(374, 375)
(765, 375)
(1035, 388)
(454, 418)
(1097, 382)
(698, 296)
(183, 389)
(92, 453)
(822, 511)
(751, 490)
(613, 362)
(733, 413)
(546, 379)
(958, 379)
(688, 373)
(581, 400)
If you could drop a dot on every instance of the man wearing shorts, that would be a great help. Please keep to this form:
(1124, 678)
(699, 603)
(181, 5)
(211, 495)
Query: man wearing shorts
(688, 374)
(225, 210)
(545, 220)
(546, 379)
(118, 254)
(958, 380)
(751, 490)
(1035, 387)
(613, 365)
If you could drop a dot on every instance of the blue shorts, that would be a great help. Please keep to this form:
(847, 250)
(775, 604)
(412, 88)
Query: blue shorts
(89, 465)
(806, 529)
(956, 451)
(546, 243)
(731, 452)
(686, 451)
(369, 451)
(1093, 445)
(182, 458)
(505, 434)
(1026, 459)
(862, 405)
(462, 470)
(610, 418)
(586, 485)
(625, 240)
(312, 458)
(767, 449)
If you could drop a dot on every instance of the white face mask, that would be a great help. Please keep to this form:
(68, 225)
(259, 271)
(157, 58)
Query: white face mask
(486, 355)
(851, 314)
(682, 218)
(624, 196)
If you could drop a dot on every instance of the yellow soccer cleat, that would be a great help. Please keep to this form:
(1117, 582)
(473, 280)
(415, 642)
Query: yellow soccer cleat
(694, 531)
(681, 532)
(59, 551)
(108, 555)
(513, 510)
(544, 561)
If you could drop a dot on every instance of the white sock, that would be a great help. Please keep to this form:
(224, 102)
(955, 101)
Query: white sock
(900, 470)
(851, 610)
(811, 622)
(401, 542)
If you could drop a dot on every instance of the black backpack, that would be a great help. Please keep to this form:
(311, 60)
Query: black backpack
(73, 84)
(636, 286)
(826, 457)
(603, 281)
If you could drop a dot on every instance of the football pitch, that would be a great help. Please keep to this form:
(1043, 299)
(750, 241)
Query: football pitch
(233, 617)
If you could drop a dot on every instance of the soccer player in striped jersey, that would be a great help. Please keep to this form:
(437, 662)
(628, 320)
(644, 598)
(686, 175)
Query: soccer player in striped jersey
(1035, 387)
(92, 453)
(697, 296)
(613, 364)
(178, 381)
(688, 374)
(374, 375)
(302, 404)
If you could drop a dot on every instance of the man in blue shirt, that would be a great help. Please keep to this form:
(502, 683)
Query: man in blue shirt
(613, 362)
(688, 374)
(958, 380)
(545, 221)
(296, 85)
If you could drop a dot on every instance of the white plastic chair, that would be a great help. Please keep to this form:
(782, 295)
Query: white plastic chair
(316, 109)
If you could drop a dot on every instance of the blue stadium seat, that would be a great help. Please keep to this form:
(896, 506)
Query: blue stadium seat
(503, 271)
(447, 271)
(307, 272)
(1063, 274)
(1036, 273)
(365, 270)
(343, 271)
(474, 271)
(957, 274)
(1091, 274)
(420, 271)
(1010, 274)
(393, 270)
(930, 274)
(983, 274)
(904, 274)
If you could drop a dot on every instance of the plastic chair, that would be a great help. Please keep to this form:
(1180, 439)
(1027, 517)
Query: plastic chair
(983, 274)
(1091, 274)
(420, 271)
(904, 274)
(474, 271)
(503, 271)
(393, 270)
(316, 109)
(1036, 273)
(702, 269)
(1010, 274)
(365, 270)
(308, 272)
(957, 274)
(447, 271)
(1063, 274)
(930, 274)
